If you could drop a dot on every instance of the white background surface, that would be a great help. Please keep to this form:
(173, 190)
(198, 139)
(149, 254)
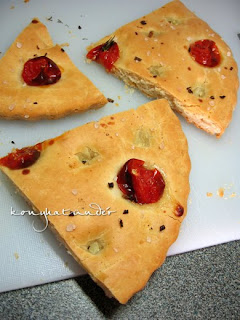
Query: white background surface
(28, 258)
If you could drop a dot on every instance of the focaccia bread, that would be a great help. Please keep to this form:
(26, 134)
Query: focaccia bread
(74, 92)
(119, 240)
(171, 53)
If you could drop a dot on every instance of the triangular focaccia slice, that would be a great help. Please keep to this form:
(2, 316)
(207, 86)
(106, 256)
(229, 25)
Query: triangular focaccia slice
(155, 56)
(77, 172)
(74, 92)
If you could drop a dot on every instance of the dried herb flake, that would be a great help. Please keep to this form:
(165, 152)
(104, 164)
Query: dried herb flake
(162, 228)
(121, 223)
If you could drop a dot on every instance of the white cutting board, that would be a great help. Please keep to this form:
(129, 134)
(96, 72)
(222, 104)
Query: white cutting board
(29, 258)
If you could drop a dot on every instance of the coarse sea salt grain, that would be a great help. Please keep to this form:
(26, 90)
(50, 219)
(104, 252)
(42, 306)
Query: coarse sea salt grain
(26, 116)
(115, 249)
(149, 239)
(189, 38)
(211, 103)
(74, 192)
(228, 53)
(96, 125)
(70, 227)
(223, 76)
(19, 45)
(11, 107)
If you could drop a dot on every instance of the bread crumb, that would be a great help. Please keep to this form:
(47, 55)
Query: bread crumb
(116, 104)
(128, 89)
(209, 194)
(16, 255)
(65, 44)
(233, 195)
(220, 192)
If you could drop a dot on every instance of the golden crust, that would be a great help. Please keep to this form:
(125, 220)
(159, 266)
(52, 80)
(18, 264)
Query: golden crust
(59, 180)
(73, 93)
(161, 40)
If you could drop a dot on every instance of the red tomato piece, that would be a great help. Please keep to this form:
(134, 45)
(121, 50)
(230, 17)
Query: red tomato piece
(205, 52)
(140, 184)
(106, 54)
(21, 158)
(40, 71)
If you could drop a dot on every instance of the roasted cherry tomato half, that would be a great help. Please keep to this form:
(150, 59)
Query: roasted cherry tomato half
(106, 54)
(21, 158)
(40, 71)
(205, 52)
(140, 184)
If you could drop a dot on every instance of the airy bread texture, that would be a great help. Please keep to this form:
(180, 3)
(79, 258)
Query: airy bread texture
(154, 58)
(73, 93)
(120, 251)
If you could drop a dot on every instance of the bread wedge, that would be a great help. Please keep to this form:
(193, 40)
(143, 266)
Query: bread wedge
(155, 57)
(73, 93)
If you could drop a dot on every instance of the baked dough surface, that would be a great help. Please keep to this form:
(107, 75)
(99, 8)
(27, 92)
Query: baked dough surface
(154, 58)
(73, 93)
(73, 172)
